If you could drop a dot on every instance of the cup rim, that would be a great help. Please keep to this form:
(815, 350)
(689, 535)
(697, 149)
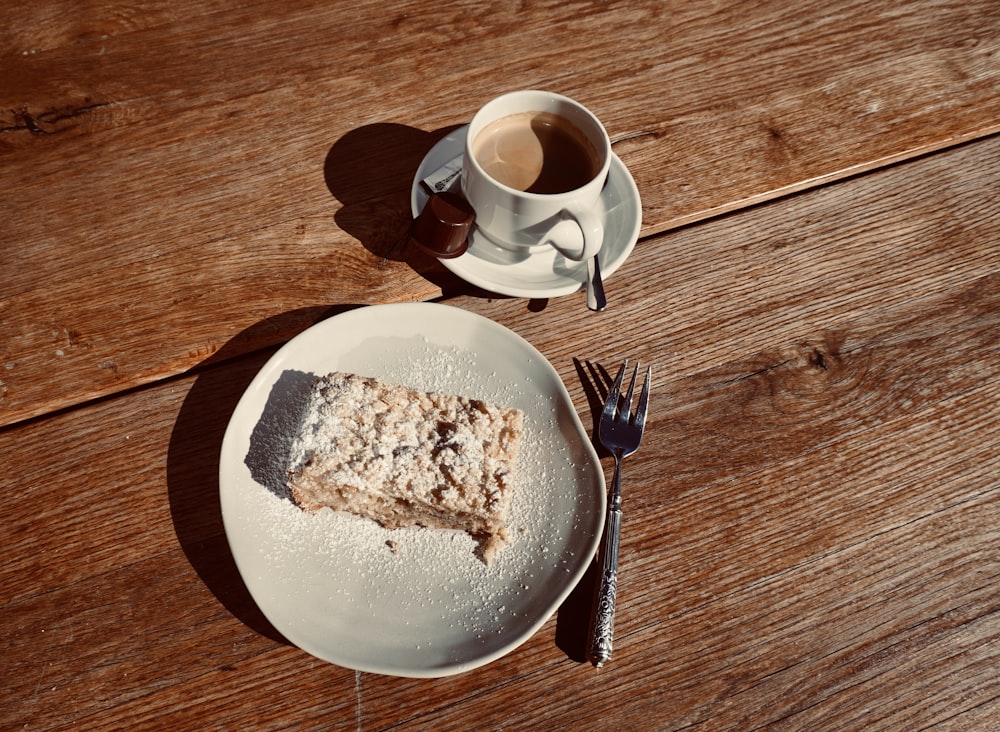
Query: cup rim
(549, 97)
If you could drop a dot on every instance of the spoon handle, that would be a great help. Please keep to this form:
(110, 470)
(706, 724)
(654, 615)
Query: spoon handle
(595, 285)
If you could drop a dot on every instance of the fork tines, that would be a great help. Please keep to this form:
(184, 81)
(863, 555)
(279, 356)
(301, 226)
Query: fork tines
(623, 407)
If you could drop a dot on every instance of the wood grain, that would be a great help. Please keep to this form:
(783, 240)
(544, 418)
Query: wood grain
(810, 535)
(780, 274)
(804, 545)
(811, 523)
(176, 175)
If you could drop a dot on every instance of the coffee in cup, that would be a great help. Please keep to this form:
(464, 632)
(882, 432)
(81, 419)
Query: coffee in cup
(535, 165)
(536, 152)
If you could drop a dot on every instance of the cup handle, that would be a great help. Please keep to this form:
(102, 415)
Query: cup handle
(589, 222)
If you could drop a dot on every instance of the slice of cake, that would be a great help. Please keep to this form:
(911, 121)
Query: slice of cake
(403, 457)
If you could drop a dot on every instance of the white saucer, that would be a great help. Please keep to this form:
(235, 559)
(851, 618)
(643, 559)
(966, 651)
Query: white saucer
(545, 273)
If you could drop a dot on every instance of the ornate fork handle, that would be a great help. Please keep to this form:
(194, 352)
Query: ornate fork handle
(602, 622)
(621, 432)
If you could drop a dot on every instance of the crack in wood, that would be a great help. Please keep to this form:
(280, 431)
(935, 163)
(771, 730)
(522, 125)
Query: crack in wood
(33, 123)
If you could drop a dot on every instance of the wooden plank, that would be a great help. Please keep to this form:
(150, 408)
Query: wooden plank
(823, 255)
(803, 541)
(786, 79)
(777, 475)
(780, 274)
(175, 176)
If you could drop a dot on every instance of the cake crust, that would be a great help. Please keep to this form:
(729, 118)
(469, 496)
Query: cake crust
(404, 457)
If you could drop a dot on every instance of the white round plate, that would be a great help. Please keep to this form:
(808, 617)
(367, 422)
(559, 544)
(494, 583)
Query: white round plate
(410, 602)
(545, 273)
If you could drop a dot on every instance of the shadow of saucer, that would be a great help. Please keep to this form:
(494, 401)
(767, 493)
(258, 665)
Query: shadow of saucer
(370, 171)
(573, 617)
(194, 452)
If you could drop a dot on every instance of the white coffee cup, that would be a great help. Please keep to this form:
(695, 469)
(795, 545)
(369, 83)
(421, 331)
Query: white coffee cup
(535, 165)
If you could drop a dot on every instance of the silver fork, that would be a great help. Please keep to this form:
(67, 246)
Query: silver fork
(620, 431)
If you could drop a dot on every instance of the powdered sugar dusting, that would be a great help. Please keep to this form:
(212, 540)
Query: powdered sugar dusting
(421, 597)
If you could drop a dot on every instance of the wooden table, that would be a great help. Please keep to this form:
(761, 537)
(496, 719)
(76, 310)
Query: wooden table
(812, 523)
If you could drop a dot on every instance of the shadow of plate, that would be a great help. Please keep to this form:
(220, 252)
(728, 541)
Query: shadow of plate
(195, 449)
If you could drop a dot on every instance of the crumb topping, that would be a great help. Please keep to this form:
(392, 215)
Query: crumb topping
(404, 457)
